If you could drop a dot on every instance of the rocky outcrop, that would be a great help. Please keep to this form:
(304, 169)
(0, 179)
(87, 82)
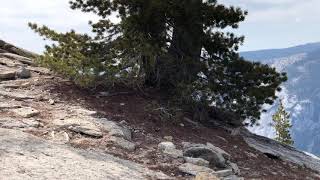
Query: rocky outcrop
(79, 125)
(26, 107)
(23, 156)
(40, 127)
(202, 159)
(276, 150)
(9, 48)
(7, 74)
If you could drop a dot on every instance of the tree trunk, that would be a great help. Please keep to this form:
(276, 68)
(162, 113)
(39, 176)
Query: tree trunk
(186, 44)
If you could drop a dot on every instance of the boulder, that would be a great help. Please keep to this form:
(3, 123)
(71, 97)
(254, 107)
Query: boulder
(23, 73)
(219, 150)
(168, 138)
(122, 143)
(114, 129)
(166, 145)
(80, 126)
(216, 159)
(275, 149)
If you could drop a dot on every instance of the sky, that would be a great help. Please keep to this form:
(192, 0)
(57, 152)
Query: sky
(270, 23)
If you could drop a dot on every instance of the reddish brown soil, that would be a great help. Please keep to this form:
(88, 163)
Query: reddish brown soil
(149, 130)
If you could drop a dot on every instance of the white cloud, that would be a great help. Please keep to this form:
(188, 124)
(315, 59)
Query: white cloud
(279, 11)
(266, 16)
(15, 15)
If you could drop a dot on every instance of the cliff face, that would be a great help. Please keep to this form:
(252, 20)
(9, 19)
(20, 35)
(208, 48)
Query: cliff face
(301, 93)
(51, 129)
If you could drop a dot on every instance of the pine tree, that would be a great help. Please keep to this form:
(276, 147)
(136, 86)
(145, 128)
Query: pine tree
(282, 125)
(179, 46)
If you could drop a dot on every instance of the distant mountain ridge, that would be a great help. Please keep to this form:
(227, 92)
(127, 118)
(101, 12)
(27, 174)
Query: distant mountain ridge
(301, 92)
(279, 53)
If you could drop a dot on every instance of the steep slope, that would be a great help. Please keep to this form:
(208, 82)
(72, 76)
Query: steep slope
(301, 93)
(51, 129)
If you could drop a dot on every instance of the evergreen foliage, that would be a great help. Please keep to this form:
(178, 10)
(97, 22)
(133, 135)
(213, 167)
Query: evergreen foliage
(282, 125)
(180, 46)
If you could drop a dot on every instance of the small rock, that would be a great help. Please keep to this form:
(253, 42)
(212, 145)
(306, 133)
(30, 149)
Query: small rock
(118, 141)
(104, 93)
(197, 161)
(235, 168)
(168, 138)
(195, 124)
(206, 176)
(166, 145)
(224, 173)
(85, 112)
(168, 148)
(51, 102)
(274, 173)
(194, 170)
(250, 154)
(186, 145)
(60, 137)
(23, 73)
(233, 177)
(181, 124)
(31, 122)
(26, 112)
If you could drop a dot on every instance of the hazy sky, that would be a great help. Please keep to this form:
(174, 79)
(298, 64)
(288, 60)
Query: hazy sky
(270, 23)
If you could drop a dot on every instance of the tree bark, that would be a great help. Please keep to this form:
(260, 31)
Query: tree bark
(186, 44)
